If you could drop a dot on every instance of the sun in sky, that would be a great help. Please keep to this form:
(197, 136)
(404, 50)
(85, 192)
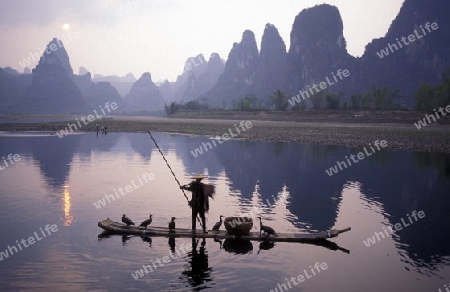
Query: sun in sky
(66, 26)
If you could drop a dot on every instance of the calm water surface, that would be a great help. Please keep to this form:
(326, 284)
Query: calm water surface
(57, 181)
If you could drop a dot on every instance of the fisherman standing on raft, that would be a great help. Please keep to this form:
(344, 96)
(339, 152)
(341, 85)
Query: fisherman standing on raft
(200, 199)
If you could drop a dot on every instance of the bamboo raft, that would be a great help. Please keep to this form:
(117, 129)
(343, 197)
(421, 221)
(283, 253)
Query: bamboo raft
(120, 228)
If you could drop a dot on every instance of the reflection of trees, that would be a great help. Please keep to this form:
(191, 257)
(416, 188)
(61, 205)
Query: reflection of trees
(318, 153)
(440, 161)
(379, 156)
(278, 147)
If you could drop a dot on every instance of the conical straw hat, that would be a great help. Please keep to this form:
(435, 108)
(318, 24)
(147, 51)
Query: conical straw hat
(199, 176)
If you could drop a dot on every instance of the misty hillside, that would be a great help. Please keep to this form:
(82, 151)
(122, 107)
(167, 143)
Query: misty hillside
(318, 49)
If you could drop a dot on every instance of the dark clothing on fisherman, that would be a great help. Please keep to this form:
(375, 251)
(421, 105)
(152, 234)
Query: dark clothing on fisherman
(199, 202)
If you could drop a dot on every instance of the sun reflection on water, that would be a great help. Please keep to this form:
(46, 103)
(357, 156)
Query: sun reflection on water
(68, 219)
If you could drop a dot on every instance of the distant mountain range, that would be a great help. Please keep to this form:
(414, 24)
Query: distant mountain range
(416, 49)
(318, 50)
(53, 88)
(197, 78)
(122, 84)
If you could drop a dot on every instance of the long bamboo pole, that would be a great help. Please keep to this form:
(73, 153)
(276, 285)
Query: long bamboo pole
(174, 176)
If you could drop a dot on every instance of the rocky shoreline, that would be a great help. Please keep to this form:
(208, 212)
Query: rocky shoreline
(432, 138)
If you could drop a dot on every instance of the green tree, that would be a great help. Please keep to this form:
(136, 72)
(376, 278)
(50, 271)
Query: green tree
(247, 103)
(424, 97)
(356, 100)
(383, 97)
(279, 100)
(442, 92)
(366, 102)
(333, 101)
(193, 105)
(172, 108)
(318, 98)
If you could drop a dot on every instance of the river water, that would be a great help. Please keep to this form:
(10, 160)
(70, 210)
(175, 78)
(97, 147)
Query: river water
(58, 182)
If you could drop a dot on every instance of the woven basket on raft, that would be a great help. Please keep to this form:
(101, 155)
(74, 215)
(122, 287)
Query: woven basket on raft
(238, 225)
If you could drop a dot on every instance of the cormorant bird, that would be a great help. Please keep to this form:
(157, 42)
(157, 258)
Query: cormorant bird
(218, 224)
(172, 224)
(127, 220)
(147, 222)
(268, 230)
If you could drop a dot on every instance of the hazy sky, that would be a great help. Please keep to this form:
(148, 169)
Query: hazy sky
(157, 36)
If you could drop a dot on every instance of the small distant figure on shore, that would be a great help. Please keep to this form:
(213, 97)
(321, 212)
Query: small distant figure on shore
(105, 130)
(96, 126)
